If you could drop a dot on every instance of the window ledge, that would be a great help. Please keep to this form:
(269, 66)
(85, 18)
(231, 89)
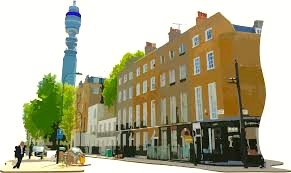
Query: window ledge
(182, 80)
(182, 53)
(172, 83)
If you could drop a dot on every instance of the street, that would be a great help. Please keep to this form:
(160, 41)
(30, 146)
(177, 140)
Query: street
(116, 166)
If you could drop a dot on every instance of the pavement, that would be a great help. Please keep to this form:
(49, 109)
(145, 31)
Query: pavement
(41, 166)
(269, 167)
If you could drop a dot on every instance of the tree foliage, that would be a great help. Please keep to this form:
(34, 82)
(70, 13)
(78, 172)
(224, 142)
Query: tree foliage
(48, 111)
(43, 115)
(110, 84)
(68, 119)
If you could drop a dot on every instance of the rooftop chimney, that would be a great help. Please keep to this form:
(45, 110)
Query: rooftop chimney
(149, 47)
(174, 33)
(200, 18)
(258, 24)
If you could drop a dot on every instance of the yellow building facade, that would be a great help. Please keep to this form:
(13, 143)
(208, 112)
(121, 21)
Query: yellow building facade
(183, 106)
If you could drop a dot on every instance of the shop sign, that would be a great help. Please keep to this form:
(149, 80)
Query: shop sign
(245, 112)
(220, 111)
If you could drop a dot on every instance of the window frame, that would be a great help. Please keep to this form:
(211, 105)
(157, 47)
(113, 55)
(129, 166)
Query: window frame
(206, 34)
(208, 61)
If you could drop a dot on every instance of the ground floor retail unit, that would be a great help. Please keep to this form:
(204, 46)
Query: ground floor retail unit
(214, 141)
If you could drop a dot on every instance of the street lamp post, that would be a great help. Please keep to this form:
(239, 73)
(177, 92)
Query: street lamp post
(62, 111)
(242, 123)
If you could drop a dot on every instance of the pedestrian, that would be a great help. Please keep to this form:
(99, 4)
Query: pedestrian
(19, 154)
(30, 150)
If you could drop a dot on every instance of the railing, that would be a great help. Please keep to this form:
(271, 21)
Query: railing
(164, 152)
(106, 134)
(158, 152)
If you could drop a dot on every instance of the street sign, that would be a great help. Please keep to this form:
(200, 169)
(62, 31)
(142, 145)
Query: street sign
(60, 134)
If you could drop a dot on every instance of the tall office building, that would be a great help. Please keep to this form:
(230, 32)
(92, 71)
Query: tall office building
(73, 23)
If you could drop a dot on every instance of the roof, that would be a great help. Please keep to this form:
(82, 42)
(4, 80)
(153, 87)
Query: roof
(239, 28)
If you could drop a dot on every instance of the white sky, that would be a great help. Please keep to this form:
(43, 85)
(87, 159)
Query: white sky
(32, 43)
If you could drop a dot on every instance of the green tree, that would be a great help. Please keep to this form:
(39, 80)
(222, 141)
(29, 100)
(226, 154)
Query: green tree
(48, 113)
(42, 116)
(68, 119)
(110, 84)
(29, 125)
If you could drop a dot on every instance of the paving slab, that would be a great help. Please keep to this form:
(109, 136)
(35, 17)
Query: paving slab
(269, 165)
(41, 166)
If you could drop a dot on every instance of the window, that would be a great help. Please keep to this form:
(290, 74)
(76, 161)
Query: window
(119, 81)
(163, 79)
(124, 95)
(173, 109)
(130, 76)
(153, 113)
(137, 89)
(144, 110)
(145, 141)
(196, 63)
(138, 71)
(130, 116)
(174, 141)
(125, 78)
(172, 76)
(212, 100)
(124, 139)
(109, 127)
(153, 83)
(182, 49)
(183, 71)
(137, 140)
(195, 41)
(184, 107)
(171, 54)
(198, 103)
(95, 90)
(162, 59)
(118, 119)
(208, 34)
(163, 111)
(124, 116)
(119, 96)
(153, 63)
(137, 114)
(210, 60)
(144, 87)
(164, 138)
(130, 93)
(145, 68)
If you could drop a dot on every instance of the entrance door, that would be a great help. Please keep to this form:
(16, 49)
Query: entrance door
(218, 144)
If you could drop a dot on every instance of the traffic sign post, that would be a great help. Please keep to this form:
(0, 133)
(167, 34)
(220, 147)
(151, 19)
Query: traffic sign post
(60, 136)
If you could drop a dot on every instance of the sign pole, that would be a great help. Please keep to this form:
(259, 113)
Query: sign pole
(58, 151)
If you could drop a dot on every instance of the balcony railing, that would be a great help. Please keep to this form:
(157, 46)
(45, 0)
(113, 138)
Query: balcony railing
(106, 134)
